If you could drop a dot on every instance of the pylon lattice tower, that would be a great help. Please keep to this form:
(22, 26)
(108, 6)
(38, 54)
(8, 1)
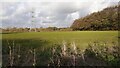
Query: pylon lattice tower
(33, 20)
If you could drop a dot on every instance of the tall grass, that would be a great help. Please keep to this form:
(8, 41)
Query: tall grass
(96, 54)
(66, 54)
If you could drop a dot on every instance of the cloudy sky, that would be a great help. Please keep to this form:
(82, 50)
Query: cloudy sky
(58, 13)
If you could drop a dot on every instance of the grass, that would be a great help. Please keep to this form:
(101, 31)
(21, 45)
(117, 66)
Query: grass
(81, 38)
(44, 42)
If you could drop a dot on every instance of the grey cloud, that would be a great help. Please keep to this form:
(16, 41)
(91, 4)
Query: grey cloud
(9, 8)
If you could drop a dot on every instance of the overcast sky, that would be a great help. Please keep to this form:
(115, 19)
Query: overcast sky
(58, 13)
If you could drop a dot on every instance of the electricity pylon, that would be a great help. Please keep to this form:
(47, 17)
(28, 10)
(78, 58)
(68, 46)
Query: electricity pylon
(33, 20)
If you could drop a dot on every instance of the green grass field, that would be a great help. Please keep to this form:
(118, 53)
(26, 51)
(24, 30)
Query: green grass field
(81, 38)
(44, 42)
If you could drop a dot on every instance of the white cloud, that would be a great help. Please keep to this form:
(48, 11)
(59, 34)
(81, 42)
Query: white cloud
(75, 15)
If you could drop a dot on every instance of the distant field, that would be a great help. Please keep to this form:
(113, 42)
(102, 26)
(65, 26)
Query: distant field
(81, 38)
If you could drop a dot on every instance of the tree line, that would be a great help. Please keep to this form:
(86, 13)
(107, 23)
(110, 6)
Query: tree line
(15, 29)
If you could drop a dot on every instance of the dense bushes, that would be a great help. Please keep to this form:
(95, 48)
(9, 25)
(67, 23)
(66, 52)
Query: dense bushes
(106, 19)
